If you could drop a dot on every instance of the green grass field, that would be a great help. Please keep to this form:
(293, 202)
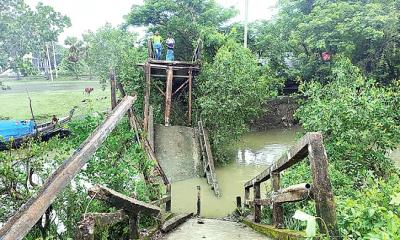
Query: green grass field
(49, 98)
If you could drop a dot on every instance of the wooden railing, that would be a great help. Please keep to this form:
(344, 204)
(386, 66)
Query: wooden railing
(207, 158)
(320, 190)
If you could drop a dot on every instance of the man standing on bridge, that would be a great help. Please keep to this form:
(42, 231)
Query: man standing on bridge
(156, 40)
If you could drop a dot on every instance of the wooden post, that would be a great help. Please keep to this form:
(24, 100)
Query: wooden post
(277, 209)
(257, 206)
(198, 201)
(133, 227)
(147, 72)
(25, 218)
(150, 131)
(246, 197)
(113, 88)
(168, 95)
(190, 97)
(168, 203)
(322, 188)
(91, 221)
(238, 202)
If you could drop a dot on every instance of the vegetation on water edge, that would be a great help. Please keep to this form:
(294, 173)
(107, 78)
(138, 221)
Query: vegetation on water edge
(119, 164)
(360, 124)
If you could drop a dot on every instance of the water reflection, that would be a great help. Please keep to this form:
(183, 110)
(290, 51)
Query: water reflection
(264, 156)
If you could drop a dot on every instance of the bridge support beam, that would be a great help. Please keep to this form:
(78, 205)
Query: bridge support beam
(190, 97)
(168, 95)
(147, 72)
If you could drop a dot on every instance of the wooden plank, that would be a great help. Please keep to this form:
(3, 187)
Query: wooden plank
(165, 76)
(147, 73)
(322, 188)
(161, 201)
(190, 97)
(27, 216)
(168, 192)
(204, 159)
(158, 66)
(150, 131)
(171, 63)
(120, 201)
(210, 159)
(182, 86)
(295, 154)
(285, 197)
(168, 96)
(175, 222)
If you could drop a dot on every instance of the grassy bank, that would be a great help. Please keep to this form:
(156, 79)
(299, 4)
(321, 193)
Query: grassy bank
(49, 98)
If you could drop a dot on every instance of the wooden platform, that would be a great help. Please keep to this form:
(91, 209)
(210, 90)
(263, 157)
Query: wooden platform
(177, 75)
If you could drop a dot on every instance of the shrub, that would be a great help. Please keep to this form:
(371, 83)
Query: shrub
(359, 120)
(231, 93)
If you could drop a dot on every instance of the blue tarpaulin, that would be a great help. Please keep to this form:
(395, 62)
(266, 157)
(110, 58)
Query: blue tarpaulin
(15, 129)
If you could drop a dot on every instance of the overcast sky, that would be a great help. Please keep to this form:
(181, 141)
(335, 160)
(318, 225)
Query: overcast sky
(92, 14)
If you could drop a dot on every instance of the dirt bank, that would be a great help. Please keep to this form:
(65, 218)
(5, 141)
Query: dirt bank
(279, 114)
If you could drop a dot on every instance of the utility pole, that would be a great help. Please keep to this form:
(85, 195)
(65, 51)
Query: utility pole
(49, 62)
(55, 60)
(246, 21)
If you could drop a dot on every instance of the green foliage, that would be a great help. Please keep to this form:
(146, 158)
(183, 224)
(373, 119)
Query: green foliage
(231, 92)
(119, 164)
(187, 20)
(358, 119)
(24, 30)
(370, 213)
(73, 59)
(113, 48)
(367, 32)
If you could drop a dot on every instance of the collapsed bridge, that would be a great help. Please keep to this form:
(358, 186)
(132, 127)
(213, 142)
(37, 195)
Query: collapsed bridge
(186, 150)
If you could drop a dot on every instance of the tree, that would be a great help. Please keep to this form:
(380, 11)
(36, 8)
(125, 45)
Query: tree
(231, 93)
(73, 61)
(359, 120)
(112, 48)
(25, 30)
(367, 32)
(188, 20)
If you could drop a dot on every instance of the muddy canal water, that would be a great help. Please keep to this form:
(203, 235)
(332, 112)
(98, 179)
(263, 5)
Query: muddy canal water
(251, 155)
